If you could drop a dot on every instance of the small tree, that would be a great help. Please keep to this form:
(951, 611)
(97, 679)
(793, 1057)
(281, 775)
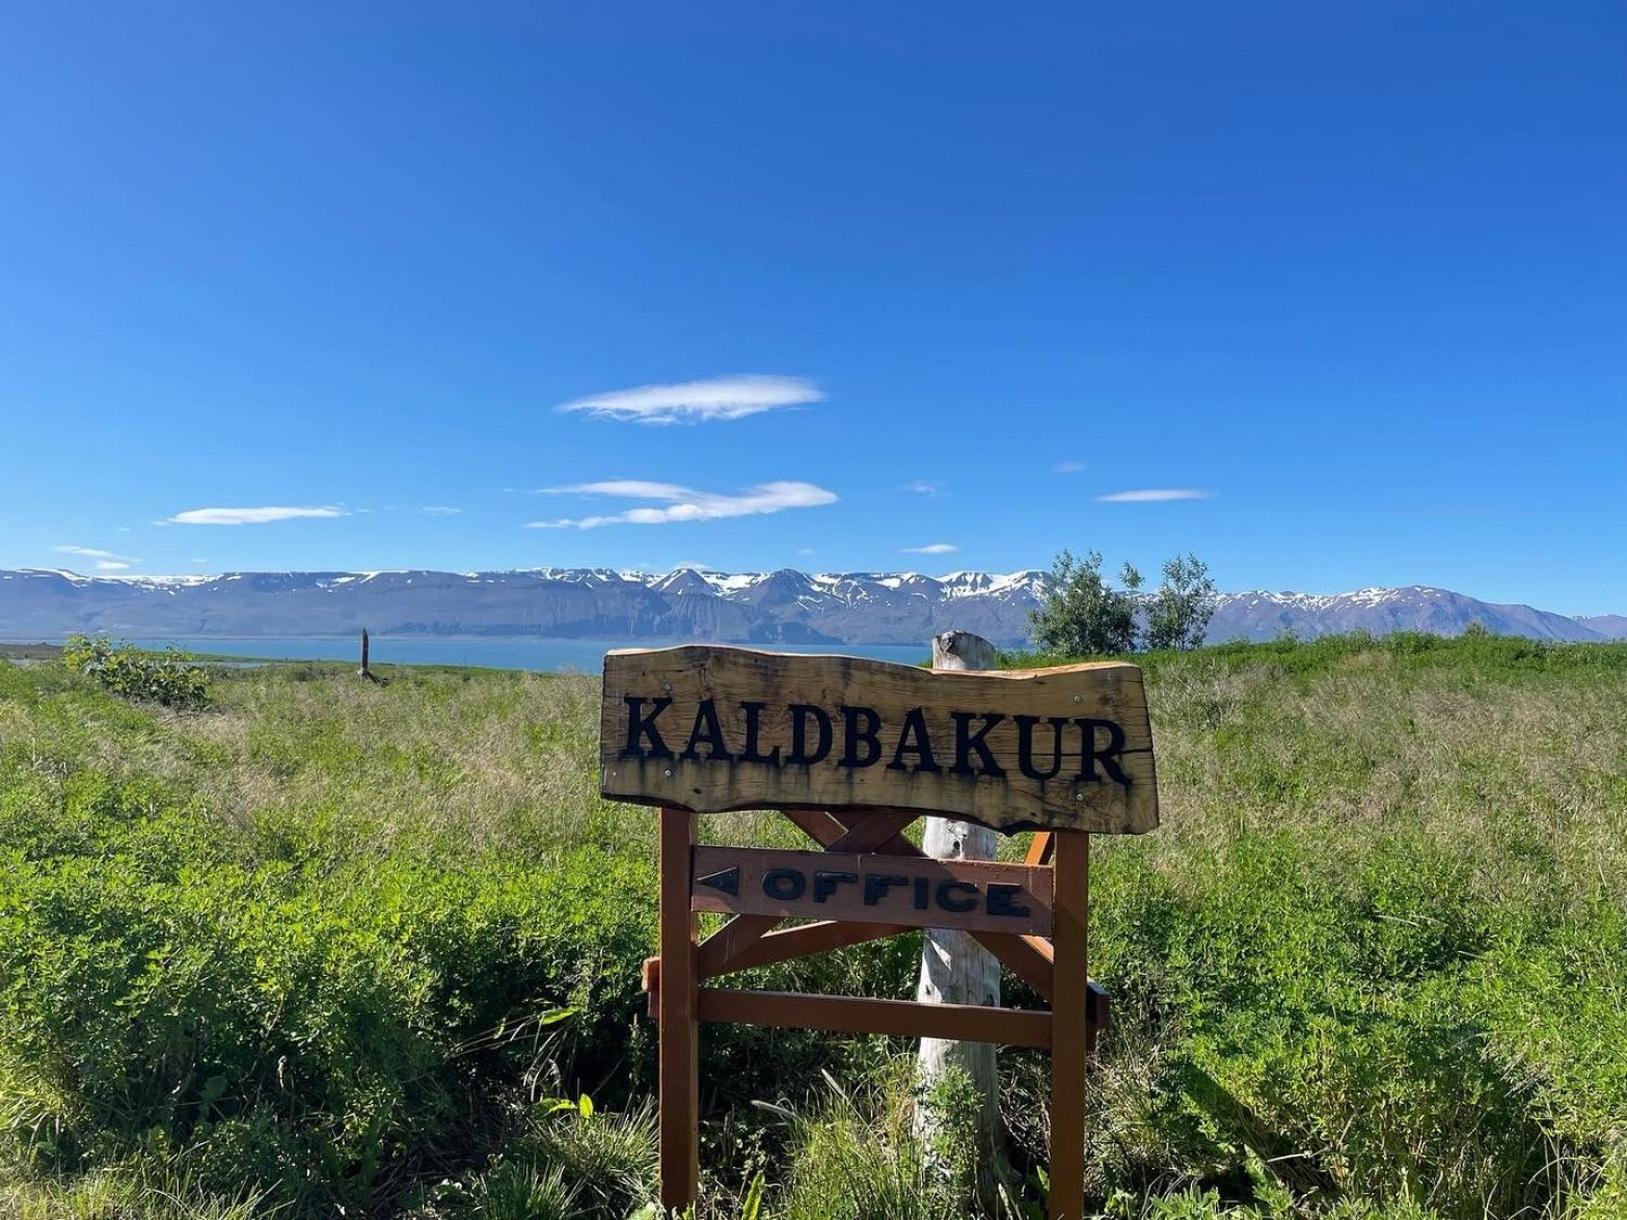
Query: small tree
(1178, 613)
(1082, 614)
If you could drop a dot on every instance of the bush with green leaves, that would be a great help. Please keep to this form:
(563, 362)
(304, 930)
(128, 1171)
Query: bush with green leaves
(318, 1027)
(1082, 614)
(1179, 610)
(170, 677)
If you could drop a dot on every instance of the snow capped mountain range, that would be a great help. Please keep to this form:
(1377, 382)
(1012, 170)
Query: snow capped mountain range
(1261, 615)
(784, 606)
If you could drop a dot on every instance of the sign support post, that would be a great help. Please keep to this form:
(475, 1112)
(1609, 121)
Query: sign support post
(679, 1020)
(1068, 997)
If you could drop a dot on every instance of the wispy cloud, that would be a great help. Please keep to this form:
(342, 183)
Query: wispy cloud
(931, 548)
(685, 503)
(1152, 495)
(250, 516)
(1068, 467)
(106, 561)
(699, 401)
(924, 487)
(90, 552)
(439, 510)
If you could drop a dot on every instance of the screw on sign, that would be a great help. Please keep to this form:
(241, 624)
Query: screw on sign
(853, 751)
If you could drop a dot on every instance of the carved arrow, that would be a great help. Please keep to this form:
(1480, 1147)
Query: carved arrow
(727, 881)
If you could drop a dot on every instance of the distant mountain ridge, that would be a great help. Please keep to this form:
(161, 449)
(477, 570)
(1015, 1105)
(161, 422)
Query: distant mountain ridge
(780, 607)
(1262, 616)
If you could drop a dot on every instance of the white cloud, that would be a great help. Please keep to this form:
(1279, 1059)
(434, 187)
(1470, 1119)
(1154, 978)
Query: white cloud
(698, 401)
(924, 487)
(1068, 467)
(106, 561)
(805, 550)
(90, 552)
(685, 503)
(249, 516)
(1153, 495)
(439, 510)
(200, 561)
(932, 548)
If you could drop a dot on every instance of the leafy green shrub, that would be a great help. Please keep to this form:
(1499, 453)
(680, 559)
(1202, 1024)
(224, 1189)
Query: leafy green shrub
(170, 677)
(1324, 1004)
(317, 1028)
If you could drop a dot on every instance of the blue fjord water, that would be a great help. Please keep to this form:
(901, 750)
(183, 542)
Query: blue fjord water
(586, 656)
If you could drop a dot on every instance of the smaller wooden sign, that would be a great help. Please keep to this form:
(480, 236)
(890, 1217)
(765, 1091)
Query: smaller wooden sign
(975, 896)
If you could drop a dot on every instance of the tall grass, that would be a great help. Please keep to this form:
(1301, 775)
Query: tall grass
(307, 949)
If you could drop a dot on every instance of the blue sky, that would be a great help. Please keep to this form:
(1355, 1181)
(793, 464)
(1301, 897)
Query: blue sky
(1351, 279)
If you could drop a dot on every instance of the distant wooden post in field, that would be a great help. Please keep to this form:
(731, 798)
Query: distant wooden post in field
(364, 671)
(955, 969)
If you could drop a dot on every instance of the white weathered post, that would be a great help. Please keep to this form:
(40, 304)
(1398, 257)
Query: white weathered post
(955, 969)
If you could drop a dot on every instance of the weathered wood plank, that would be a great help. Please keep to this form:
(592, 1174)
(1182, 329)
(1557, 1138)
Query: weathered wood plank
(855, 1015)
(1098, 1011)
(873, 888)
(715, 729)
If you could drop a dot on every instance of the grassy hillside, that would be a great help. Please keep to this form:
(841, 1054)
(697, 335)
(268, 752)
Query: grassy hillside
(330, 945)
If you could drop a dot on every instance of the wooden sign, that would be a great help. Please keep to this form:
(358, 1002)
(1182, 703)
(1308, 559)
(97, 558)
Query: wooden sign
(713, 728)
(916, 893)
(851, 752)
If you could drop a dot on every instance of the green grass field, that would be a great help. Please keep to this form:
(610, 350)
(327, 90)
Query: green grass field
(331, 948)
